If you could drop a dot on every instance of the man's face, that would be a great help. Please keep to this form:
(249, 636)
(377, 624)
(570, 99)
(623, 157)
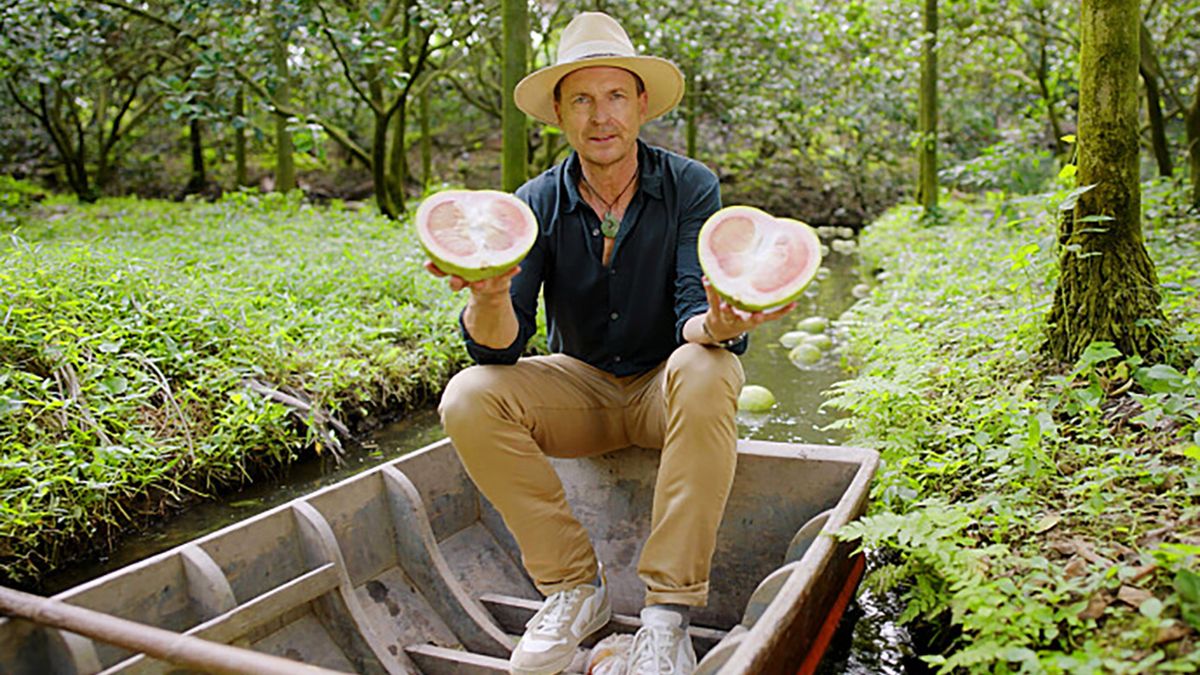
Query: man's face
(601, 112)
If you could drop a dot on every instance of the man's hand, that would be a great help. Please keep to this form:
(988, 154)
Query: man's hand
(482, 289)
(724, 321)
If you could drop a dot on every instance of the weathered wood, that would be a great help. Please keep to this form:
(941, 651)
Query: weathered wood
(161, 644)
(441, 661)
(340, 611)
(208, 587)
(422, 561)
(387, 570)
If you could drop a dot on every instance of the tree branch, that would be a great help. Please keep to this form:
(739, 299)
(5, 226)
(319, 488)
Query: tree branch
(342, 59)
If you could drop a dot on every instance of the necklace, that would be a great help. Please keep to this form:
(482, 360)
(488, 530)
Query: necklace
(609, 224)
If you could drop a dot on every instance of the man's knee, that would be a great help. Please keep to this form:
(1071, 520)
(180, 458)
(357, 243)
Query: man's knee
(471, 396)
(697, 368)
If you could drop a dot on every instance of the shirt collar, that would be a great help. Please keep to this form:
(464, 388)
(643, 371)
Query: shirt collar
(650, 173)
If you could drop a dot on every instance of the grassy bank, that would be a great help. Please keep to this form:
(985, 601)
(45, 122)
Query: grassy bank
(1039, 518)
(150, 351)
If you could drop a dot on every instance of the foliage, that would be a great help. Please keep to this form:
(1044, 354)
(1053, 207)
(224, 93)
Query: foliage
(136, 337)
(1046, 518)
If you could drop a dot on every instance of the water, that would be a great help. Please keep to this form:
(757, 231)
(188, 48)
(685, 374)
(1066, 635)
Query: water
(867, 642)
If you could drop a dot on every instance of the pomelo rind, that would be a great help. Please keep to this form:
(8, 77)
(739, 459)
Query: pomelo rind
(755, 398)
(746, 299)
(805, 354)
(821, 341)
(477, 269)
(813, 324)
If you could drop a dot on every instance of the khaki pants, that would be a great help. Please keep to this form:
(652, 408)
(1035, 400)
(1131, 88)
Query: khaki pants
(505, 420)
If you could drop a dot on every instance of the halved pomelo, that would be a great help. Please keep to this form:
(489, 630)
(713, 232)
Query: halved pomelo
(475, 234)
(756, 261)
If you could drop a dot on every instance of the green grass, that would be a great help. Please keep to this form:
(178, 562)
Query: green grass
(131, 333)
(1040, 518)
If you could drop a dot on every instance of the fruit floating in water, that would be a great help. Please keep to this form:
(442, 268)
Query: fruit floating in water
(792, 338)
(755, 260)
(805, 354)
(820, 341)
(813, 324)
(755, 398)
(475, 234)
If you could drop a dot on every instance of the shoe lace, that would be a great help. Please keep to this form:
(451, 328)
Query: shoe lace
(654, 650)
(556, 612)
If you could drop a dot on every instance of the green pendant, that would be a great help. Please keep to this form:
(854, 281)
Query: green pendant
(609, 226)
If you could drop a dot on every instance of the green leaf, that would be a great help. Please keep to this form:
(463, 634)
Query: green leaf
(1187, 583)
(1067, 172)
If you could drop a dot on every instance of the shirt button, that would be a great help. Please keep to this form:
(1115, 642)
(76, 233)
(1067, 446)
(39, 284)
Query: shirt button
(617, 359)
(596, 232)
(612, 273)
(613, 316)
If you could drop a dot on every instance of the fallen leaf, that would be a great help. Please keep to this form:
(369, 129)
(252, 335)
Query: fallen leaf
(1077, 567)
(1133, 596)
(1096, 606)
(1046, 522)
(1174, 631)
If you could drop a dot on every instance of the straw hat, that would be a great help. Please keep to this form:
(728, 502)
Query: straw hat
(596, 39)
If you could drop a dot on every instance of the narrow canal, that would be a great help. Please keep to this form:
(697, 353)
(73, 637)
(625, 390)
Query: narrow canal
(868, 642)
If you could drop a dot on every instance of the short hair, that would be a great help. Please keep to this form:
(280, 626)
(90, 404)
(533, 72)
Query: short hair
(641, 86)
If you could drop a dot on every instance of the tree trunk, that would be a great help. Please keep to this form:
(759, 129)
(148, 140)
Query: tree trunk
(927, 191)
(398, 174)
(1193, 141)
(514, 160)
(1108, 288)
(693, 103)
(239, 139)
(379, 164)
(285, 167)
(1043, 77)
(1158, 130)
(426, 141)
(197, 180)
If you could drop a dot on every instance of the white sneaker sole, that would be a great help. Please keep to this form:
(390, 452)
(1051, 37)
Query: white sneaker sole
(560, 665)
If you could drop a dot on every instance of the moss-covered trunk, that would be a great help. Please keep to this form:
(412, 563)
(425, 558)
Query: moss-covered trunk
(285, 167)
(426, 139)
(514, 160)
(927, 188)
(1108, 289)
(1193, 140)
(239, 139)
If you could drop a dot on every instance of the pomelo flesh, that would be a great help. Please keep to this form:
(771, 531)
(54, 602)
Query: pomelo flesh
(475, 234)
(756, 261)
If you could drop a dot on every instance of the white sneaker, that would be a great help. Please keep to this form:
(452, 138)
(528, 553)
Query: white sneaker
(554, 633)
(662, 646)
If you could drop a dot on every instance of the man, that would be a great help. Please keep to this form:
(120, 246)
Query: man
(644, 354)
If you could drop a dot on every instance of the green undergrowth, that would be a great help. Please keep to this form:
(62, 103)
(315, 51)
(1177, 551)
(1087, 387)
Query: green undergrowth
(1038, 518)
(154, 351)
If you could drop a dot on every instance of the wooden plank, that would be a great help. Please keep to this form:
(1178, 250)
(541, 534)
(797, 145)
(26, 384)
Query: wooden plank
(513, 613)
(235, 623)
(340, 611)
(433, 660)
(208, 586)
(422, 561)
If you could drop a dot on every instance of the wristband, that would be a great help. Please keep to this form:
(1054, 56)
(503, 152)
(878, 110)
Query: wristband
(725, 344)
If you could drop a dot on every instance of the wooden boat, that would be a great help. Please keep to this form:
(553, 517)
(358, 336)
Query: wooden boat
(405, 568)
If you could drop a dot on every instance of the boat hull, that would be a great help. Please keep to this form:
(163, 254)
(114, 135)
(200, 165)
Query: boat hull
(406, 568)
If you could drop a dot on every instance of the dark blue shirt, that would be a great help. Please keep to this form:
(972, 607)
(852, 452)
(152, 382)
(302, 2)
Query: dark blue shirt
(626, 317)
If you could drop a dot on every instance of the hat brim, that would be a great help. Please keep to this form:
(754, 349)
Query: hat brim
(664, 84)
